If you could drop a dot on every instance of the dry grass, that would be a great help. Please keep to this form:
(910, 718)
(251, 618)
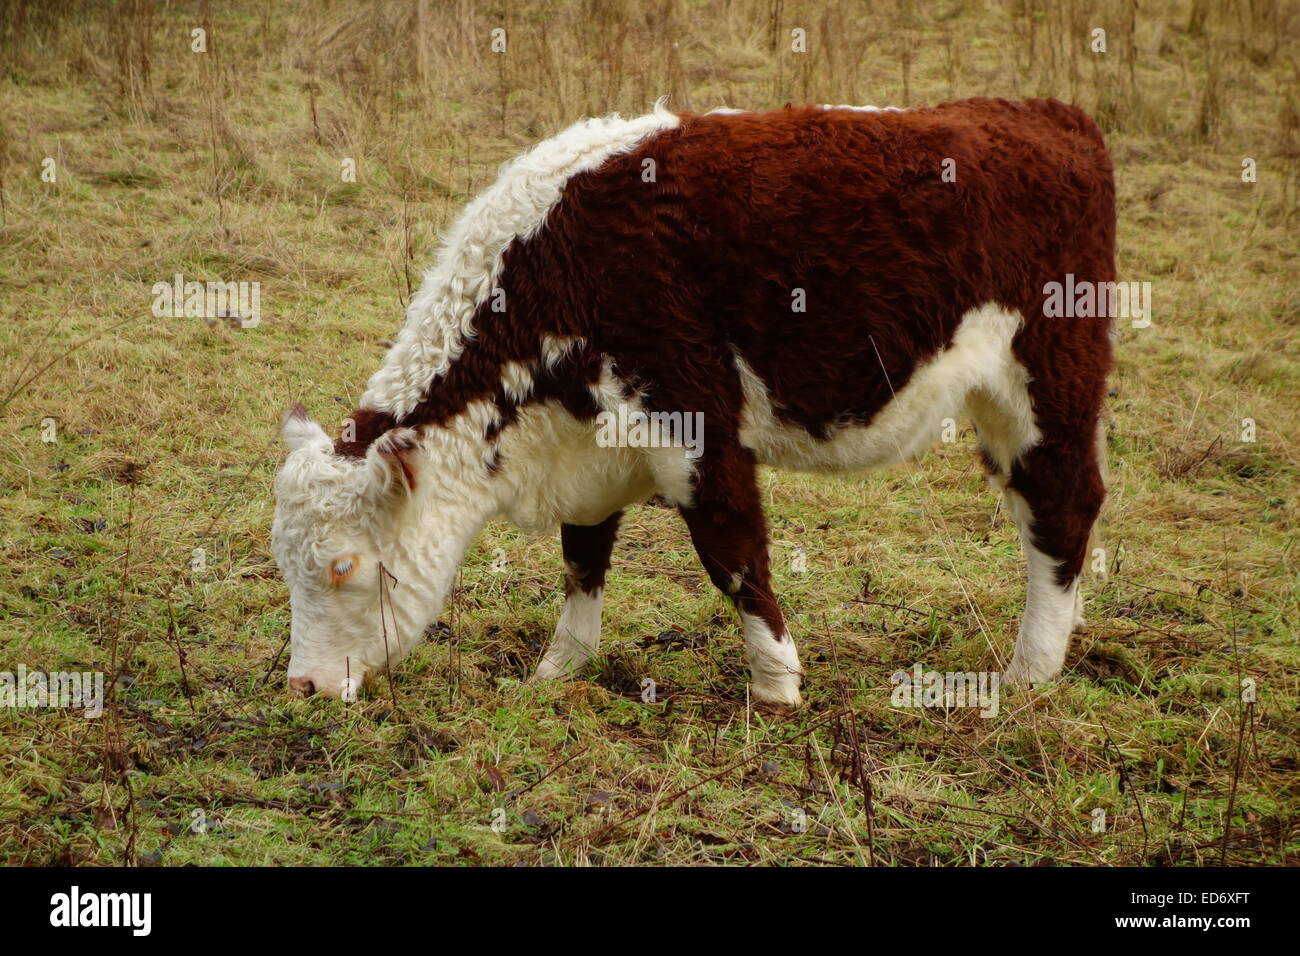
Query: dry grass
(226, 165)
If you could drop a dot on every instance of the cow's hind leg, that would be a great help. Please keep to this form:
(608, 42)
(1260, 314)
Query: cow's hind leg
(577, 634)
(1047, 467)
(1053, 492)
(727, 528)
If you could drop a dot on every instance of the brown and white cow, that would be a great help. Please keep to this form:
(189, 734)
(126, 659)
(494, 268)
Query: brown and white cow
(825, 286)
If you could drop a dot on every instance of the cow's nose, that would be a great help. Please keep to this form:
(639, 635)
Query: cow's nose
(302, 685)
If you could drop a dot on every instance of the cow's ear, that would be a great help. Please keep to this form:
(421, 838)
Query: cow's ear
(396, 456)
(299, 431)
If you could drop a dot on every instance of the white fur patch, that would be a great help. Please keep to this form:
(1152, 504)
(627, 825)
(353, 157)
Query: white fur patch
(1051, 611)
(555, 347)
(673, 472)
(516, 381)
(978, 363)
(773, 665)
(298, 433)
(553, 471)
(438, 319)
(577, 636)
(607, 391)
(863, 109)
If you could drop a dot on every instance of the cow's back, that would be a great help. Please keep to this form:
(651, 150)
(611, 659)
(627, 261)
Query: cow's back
(835, 251)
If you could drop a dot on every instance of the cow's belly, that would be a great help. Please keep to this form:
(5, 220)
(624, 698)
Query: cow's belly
(978, 361)
(558, 473)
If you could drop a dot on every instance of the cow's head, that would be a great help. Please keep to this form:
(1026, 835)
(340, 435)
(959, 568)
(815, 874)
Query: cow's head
(338, 541)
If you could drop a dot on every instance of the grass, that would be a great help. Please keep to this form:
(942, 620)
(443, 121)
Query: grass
(226, 166)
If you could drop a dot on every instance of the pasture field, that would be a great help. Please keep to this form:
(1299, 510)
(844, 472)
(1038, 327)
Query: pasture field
(128, 441)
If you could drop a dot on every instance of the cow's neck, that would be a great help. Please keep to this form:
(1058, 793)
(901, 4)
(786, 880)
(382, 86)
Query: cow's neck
(450, 505)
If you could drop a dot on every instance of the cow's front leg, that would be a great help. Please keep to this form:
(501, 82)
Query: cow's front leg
(727, 527)
(577, 635)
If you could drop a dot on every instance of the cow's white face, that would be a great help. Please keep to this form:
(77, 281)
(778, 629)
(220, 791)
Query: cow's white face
(334, 539)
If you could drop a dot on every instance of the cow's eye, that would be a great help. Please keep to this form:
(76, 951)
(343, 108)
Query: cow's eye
(343, 568)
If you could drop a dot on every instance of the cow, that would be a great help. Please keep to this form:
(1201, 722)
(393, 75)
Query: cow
(815, 288)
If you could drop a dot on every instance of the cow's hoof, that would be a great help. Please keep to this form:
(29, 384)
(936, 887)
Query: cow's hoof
(548, 671)
(778, 708)
(1018, 673)
(779, 696)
